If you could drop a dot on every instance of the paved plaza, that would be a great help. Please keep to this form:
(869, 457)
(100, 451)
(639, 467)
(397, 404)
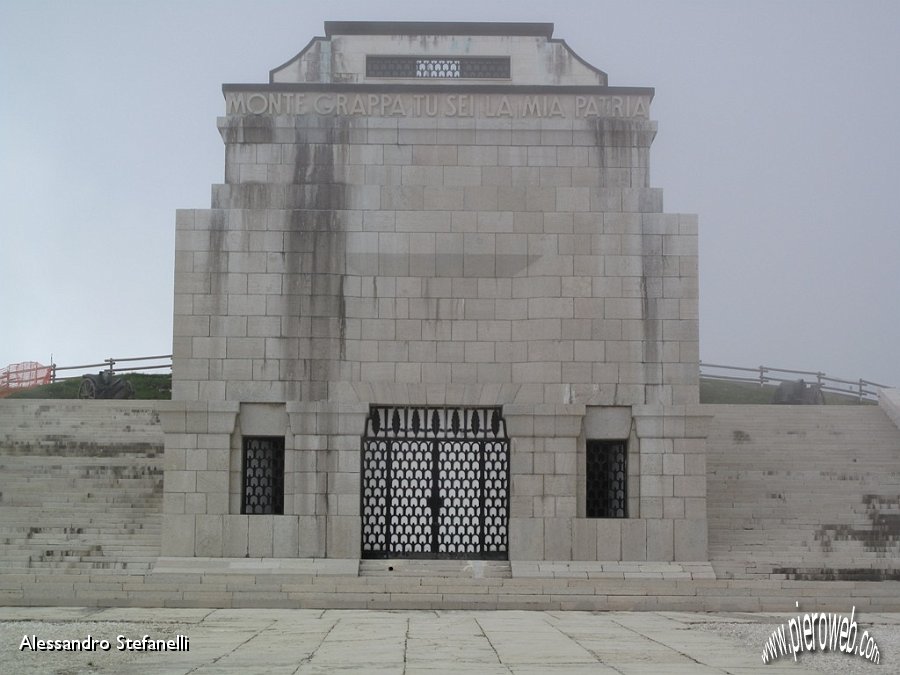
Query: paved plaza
(363, 641)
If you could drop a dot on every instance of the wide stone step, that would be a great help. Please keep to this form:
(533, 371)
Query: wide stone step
(471, 569)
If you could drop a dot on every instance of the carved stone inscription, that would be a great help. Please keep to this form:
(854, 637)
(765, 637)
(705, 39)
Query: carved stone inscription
(437, 105)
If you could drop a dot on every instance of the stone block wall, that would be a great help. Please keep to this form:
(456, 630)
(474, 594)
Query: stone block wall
(204, 481)
(666, 485)
(437, 251)
(667, 482)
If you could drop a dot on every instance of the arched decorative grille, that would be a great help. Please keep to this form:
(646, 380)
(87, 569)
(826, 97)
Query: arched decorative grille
(435, 483)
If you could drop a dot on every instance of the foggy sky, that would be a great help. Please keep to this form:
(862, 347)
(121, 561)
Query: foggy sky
(777, 125)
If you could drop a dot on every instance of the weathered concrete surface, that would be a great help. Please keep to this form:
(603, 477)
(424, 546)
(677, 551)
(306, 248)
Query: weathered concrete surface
(311, 641)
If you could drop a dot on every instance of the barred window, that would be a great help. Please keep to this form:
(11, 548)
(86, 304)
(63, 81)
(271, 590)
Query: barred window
(263, 473)
(607, 479)
(471, 67)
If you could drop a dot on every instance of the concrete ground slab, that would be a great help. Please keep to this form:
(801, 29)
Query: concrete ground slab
(402, 642)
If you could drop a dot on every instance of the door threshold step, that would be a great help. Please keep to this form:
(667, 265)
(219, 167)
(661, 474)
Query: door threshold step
(457, 569)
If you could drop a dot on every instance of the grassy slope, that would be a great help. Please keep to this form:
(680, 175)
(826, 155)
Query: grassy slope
(146, 387)
(721, 391)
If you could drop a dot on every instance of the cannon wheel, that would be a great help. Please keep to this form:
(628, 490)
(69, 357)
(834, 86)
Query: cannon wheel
(87, 389)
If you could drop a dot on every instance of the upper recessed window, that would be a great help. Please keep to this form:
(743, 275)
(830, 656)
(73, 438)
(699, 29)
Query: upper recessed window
(468, 67)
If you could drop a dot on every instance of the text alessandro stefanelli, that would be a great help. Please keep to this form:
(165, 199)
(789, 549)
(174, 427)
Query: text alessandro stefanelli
(180, 643)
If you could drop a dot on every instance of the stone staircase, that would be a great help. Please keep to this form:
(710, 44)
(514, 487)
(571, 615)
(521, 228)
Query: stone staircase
(80, 486)
(797, 496)
(804, 492)
(439, 569)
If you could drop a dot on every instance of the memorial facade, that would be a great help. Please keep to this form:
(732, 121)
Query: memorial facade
(436, 311)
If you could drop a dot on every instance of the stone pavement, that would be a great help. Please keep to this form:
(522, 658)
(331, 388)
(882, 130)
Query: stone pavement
(372, 642)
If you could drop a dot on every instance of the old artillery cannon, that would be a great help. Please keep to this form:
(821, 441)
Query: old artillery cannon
(105, 385)
(799, 393)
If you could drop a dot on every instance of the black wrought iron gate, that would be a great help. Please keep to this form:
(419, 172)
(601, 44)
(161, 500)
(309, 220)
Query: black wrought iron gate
(435, 483)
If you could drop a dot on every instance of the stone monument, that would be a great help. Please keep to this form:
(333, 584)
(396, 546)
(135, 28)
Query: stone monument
(436, 311)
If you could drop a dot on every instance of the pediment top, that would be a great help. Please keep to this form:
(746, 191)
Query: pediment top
(455, 53)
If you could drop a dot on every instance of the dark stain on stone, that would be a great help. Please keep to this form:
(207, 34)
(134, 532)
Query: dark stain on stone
(316, 242)
(313, 163)
(611, 132)
(740, 437)
(258, 128)
(881, 537)
(837, 574)
(313, 60)
(343, 315)
(559, 62)
(218, 260)
(651, 351)
(233, 130)
(601, 150)
(616, 135)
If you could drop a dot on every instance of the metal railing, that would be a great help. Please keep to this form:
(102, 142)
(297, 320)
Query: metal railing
(861, 389)
(109, 365)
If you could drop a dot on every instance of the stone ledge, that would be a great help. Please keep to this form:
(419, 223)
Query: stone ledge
(612, 570)
(292, 590)
(251, 566)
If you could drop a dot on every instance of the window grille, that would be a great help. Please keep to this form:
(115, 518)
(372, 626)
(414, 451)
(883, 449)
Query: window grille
(263, 475)
(462, 67)
(607, 479)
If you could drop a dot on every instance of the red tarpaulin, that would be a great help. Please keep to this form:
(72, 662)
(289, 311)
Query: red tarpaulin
(23, 375)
